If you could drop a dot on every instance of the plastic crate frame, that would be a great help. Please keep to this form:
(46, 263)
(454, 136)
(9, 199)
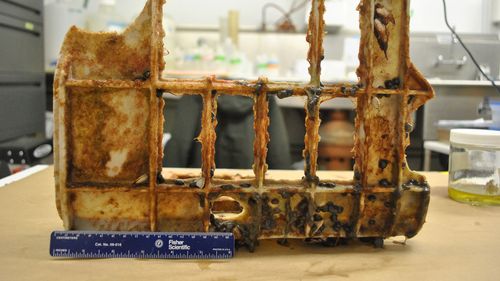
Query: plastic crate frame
(99, 77)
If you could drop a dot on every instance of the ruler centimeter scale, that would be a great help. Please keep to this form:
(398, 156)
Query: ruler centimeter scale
(147, 245)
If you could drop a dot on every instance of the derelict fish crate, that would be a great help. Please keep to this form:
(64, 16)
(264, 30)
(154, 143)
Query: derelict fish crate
(109, 124)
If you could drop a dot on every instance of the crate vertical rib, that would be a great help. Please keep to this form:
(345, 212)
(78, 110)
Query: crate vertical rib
(159, 148)
(403, 138)
(364, 73)
(207, 138)
(157, 35)
(315, 33)
(382, 69)
(61, 162)
(383, 64)
(404, 174)
(261, 126)
(154, 106)
(207, 135)
(153, 160)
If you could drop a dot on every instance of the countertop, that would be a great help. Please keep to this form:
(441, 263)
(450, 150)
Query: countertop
(458, 242)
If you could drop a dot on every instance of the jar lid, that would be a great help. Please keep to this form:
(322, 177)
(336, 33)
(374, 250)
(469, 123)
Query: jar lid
(475, 137)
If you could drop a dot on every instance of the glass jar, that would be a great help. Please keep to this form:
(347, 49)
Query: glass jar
(474, 166)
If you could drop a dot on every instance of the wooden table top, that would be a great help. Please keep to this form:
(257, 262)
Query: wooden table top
(458, 242)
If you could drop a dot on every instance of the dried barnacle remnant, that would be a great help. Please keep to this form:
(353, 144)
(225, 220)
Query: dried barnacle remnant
(408, 127)
(382, 18)
(141, 180)
(108, 141)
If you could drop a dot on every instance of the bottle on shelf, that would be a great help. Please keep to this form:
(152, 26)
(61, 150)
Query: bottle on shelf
(106, 18)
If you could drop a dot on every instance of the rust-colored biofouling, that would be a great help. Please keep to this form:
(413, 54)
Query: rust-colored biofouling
(109, 122)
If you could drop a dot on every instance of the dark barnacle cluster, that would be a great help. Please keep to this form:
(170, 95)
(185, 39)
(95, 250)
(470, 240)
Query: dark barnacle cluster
(382, 163)
(393, 84)
(282, 94)
(284, 194)
(351, 91)
(199, 183)
(377, 242)
(382, 95)
(178, 182)
(334, 241)
(384, 183)
(254, 199)
(327, 184)
(308, 176)
(330, 208)
(382, 18)
(334, 211)
(159, 93)
(317, 217)
(300, 215)
(159, 178)
(408, 127)
(313, 101)
(411, 99)
(357, 175)
(144, 77)
(227, 187)
(267, 219)
(258, 87)
(247, 234)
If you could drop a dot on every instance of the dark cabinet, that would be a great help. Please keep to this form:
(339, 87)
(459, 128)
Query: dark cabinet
(22, 80)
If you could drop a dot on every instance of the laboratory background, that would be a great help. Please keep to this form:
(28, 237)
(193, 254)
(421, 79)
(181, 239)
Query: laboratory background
(93, 187)
(245, 40)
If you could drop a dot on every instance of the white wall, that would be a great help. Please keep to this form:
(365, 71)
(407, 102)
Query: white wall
(468, 16)
(207, 12)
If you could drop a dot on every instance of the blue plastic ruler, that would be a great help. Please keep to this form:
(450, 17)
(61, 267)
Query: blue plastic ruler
(147, 245)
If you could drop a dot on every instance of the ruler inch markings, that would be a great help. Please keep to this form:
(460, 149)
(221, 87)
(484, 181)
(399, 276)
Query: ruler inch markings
(144, 245)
